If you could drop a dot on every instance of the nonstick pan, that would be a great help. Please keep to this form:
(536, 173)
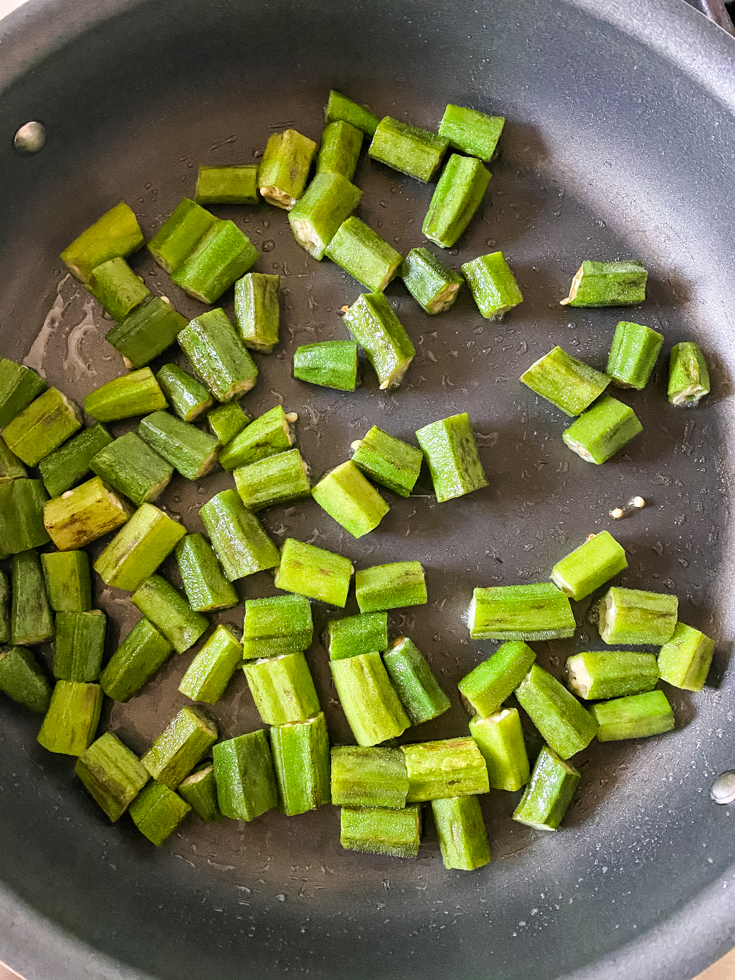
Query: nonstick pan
(619, 143)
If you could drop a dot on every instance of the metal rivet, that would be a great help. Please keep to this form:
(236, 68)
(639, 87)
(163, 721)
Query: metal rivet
(723, 788)
(30, 138)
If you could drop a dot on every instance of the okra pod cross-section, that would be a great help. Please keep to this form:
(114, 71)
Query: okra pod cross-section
(284, 168)
(549, 792)
(688, 375)
(218, 356)
(390, 586)
(452, 457)
(458, 195)
(637, 617)
(237, 536)
(686, 659)
(186, 738)
(393, 833)
(210, 672)
(607, 284)
(369, 776)
(491, 682)
(359, 250)
(282, 688)
(429, 281)
(565, 725)
(226, 421)
(169, 612)
(408, 149)
(314, 572)
(347, 496)
(462, 835)
(31, 620)
(538, 611)
(301, 760)
(246, 781)
(223, 255)
(371, 705)
(328, 201)
(566, 382)
(589, 566)
(380, 333)
(445, 769)
(139, 548)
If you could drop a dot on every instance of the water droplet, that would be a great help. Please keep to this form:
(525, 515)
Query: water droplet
(723, 788)
(268, 245)
(384, 204)
(491, 241)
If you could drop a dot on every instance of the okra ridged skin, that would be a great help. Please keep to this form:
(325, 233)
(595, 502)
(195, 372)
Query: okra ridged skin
(68, 580)
(445, 769)
(633, 355)
(473, 132)
(538, 611)
(340, 149)
(31, 619)
(301, 760)
(331, 364)
(611, 674)
(359, 250)
(380, 333)
(209, 673)
(180, 234)
(147, 332)
(237, 536)
(389, 461)
(686, 659)
(19, 386)
(22, 508)
(227, 421)
(42, 427)
(589, 566)
(157, 811)
(169, 612)
(186, 738)
(493, 681)
(637, 617)
(4, 608)
(267, 435)
(71, 721)
(607, 284)
(414, 681)
(69, 464)
(451, 454)
(315, 218)
(314, 572)
(223, 255)
(274, 480)
(354, 635)
(218, 356)
(200, 792)
(186, 396)
(390, 586)
(246, 781)
(276, 625)
(204, 582)
(637, 716)
(369, 700)
(143, 651)
(339, 107)
(347, 496)
(408, 149)
(80, 645)
(284, 168)
(11, 467)
(84, 514)
(282, 688)
(492, 284)
(138, 549)
(429, 281)
(117, 288)
(457, 196)
(116, 233)
(112, 774)
(257, 311)
(227, 185)
(392, 833)
(137, 393)
(565, 725)
(688, 375)
(132, 468)
(192, 452)
(565, 381)
(23, 680)
(602, 430)
(368, 776)
(549, 793)
(462, 835)
(499, 738)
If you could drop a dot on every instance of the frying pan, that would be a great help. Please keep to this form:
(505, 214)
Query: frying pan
(619, 143)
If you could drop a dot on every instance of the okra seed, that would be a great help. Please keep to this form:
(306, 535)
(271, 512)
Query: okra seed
(30, 139)
(723, 788)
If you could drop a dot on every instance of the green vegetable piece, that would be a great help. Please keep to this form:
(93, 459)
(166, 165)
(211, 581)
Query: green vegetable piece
(23, 680)
(84, 514)
(112, 774)
(169, 612)
(602, 430)
(218, 356)
(276, 625)
(11, 467)
(80, 645)
(370, 702)
(31, 620)
(314, 572)
(71, 721)
(346, 495)
(549, 793)
(392, 833)
(4, 608)
(340, 149)
(564, 724)
(492, 284)
(612, 674)
(331, 364)
(200, 792)
(499, 738)
(66, 466)
(237, 536)
(390, 586)
(521, 612)
(315, 218)
(339, 107)
(388, 461)
(42, 426)
(416, 685)
(380, 333)
(429, 281)
(116, 233)
(187, 398)
(157, 812)
(117, 288)
(275, 480)
(607, 284)
(226, 421)
(209, 673)
(223, 255)
(186, 738)
(143, 651)
(204, 582)
(136, 393)
(134, 469)
(635, 617)
(633, 355)
(285, 166)
(190, 451)
(686, 659)
(471, 131)
(301, 760)
(19, 386)
(462, 835)
(451, 454)
(138, 549)
(637, 716)
(589, 566)
(367, 257)
(486, 687)
(369, 776)
(227, 185)
(22, 526)
(180, 234)
(408, 149)
(458, 195)
(445, 769)
(566, 382)
(688, 375)
(282, 688)
(267, 435)
(354, 635)
(246, 782)
(257, 311)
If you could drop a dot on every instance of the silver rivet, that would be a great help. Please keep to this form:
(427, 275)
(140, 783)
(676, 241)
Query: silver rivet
(30, 138)
(723, 788)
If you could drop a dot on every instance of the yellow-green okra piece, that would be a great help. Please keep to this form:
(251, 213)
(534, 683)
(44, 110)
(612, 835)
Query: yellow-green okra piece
(66, 466)
(602, 430)
(564, 723)
(549, 793)
(368, 776)
(431, 283)
(117, 288)
(19, 386)
(331, 364)
(218, 356)
(23, 679)
(42, 427)
(451, 454)
(633, 354)
(328, 201)
(314, 572)
(408, 149)
(246, 781)
(22, 507)
(133, 468)
(684, 661)
(137, 393)
(157, 811)
(186, 396)
(180, 234)
(636, 716)
(31, 619)
(227, 185)
(205, 584)
(370, 702)
(301, 760)
(284, 168)
(276, 625)
(265, 436)
(200, 792)
(607, 284)
(492, 284)
(390, 586)
(470, 131)
(387, 460)
(611, 674)
(71, 721)
(282, 688)
(276, 479)
(11, 467)
(226, 421)
(116, 233)
(209, 673)
(688, 375)
(347, 496)
(146, 332)
(138, 549)
(169, 612)
(340, 148)
(359, 250)
(354, 635)
(339, 107)
(237, 536)
(257, 312)
(412, 677)
(565, 381)
(112, 774)
(192, 452)
(538, 611)
(186, 738)
(444, 769)
(462, 835)
(493, 681)
(637, 617)
(84, 514)
(499, 737)
(392, 833)
(374, 325)
(457, 196)
(589, 566)
(80, 645)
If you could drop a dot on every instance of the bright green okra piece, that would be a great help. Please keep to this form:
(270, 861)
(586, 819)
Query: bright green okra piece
(22, 526)
(563, 722)
(19, 386)
(257, 311)
(71, 721)
(237, 536)
(131, 467)
(301, 760)
(688, 375)
(284, 168)
(226, 421)
(637, 617)
(568, 383)
(31, 619)
(69, 464)
(227, 185)
(589, 566)
(445, 769)
(137, 393)
(143, 651)
(380, 333)
(11, 467)
(209, 673)
(607, 284)
(80, 645)
(275, 480)
(314, 572)
(686, 659)
(23, 680)
(339, 107)
(473, 132)
(84, 514)
(42, 426)
(452, 457)
(276, 625)
(611, 674)
(204, 582)
(367, 257)
(486, 687)
(200, 792)
(347, 496)
(371, 705)
(170, 613)
(458, 195)
(4, 608)
(187, 398)
(68, 582)
(340, 149)
(389, 461)
(282, 688)
(331, 364)
(492, 284)
(117, 288)
(369, 776)
(633, 355)
(138, 549)
(186, 738)
(246, 781)
(602, 430)
(157, 811)
(414, 681)
(390, 586)
(146, 332)
(392, 833)
(538, 611)
(190, 451)
(549, 793)
(112, 774)
(218, 356)
(116, 233)
(462, 835)
(499, 738)
(223, 255)
(429, 281)
(180, 234)
(267, 435)
(328, 201)
(354, 635)
(637, 716)
(408, 149)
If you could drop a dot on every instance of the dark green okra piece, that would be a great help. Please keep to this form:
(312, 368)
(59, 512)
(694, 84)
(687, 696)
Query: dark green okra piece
(267, 435)
(370, 702)
(367, 257)
(637, 617)
(237, 536)
(204, 582)
(275, 480)
(354, 635)
(607, 284)
(133, 468)
(42, 426)
(633, 355)
(637, 716)
(276, 625)
(688, 375)
(314, 572)
(19, 386)
(209, 673)
(191, 452)
(452, 457)
(686, 659)
(340, 149)
(564, 724)
(301, 760)
(31, 619)
(4, 608)
(223, 255)
(169, 612)
(84, 514)
(429, 281)
(117, 288)
(218, 356)
(445, 769)
(146, 332)
(392, 833)
(180, 234)
(414, 681)
(331, 364)
(200, 792)
(408, 149)
(138, 549)
(22, 527)
(282, 688)
(23, 680)
(611, 674)
(157, 811)
(80, 645)
(568, 383)
(11, 467)
(137, 393)
(473, 132)
(458, 195)
(284, 168)
(380, 333)
(227, 421)
(390, 586)
(549, 792)
(328, 201)
(369, 776)
(187, 398)
(71, 721)
(257, 311)
(112, 774)
(227, 185)
(116, 233)
(348, 497)
(143, 651)
(389, 461)
(499, 738)
(602, 430)
(486, 687)
(589, 566)
(462, 835)
(186, 738)
(69, 464)
(246, 781)
(538, 611)
(339, 107)
(492, 284)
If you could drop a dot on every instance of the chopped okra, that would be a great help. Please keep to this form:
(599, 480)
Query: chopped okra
(68, 581)
(83, 514)
(328, 201)
(331, 364)
(112, 774)
(246, 781)
(382, 336)
(354, 635)
(339, 107)
(257, 311)
(205, 584)
(486, 687)
(370, 702)
(31, 619)
(138, 549)
(23, 679)
(347, 496)
(116, 233)
(492, 284)
(565, 381)
(458, 195)
(80, 645)
(223, 255)
(284, 168)
(190, 451)
(276, 479)
(276, 625)
(369, 776)
(227, 185)
(636, 617)
(538, 611)
(637, 716)
(282, 688)
(69, 464)
(200, 792)
(602, 430)
(186, 738)
(237, 536)
(168, 610)
(389, 461)
(265, 436)
(499, 738)
(22, 516)
(549, 793)
(611, 674)
(429, 281)
(180, 234)
(445, 769)
(408, 149)
(589, 566)
(314, 572)
(209, 673)
(684, 661)
(471, 131)
(149, 330)
(393, 833)
(451, 455)
(117, 288)
(71, 721)
(359, 250)
(633, 354)
(140, 655)
(157, 811)
(137, 393)
(414, 681)
(608, 284)
(42, 426)
(462, 835)
(301, 760)
(564, 723)
(19, 386)
(688, 375)
(340, 149)
(218, 356)
(390, 586)
(187, 398)
(133, 468)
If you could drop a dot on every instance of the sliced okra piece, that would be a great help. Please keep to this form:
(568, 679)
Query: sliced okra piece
(267, 435)
(282, 688)
(462, 835)
(301, 760)
(83, 514)
(686, 659)
(274, 480)
(11, 467)
(218, 356)
(392, 833)
(4, 608)
(22, 504)
(347, 496)
(328, 201)
(568, 383)
(602, 430)
(340, 107)
(688, 375)
(389, 461)
(227, 185)
(486, 687)
(42, 426)
(131, 467)
(370, 702)
(549, 792)
(331, 364)
(390, 586)
(204, 582)
(611, 674)
(369, 776)
(157, 811)
(367, 257)
(117, 288)
(200, 792)
(257, 311)
(190, 451)
(607, 284)
(180, 234)
(31, 619)
(637, 716)
(69, 464)
(71, 721)
(237, 536)
(354, 635)
(276, 625)
(473, 132)
(499, 738)
(452, 457)
(209, 673)
(169, 612)
(414, 681)
(457, 196)
(19, 386)
(380, 333)
(589, 566)
(143, 651)
(340, 149)
(314, 572)
(116, 233)
(637, 617)
(223, 255)
(284, 168)
(246, 782)
(226, 421)
(408, 149)
(112, 774)
(187, 398)
(445, 769)
(633, 355)
(429, 281)
(137, 393)
(186, 738)
(80, 645)
(138, 549)
(23, 680)
(563, 722)
(492, 284)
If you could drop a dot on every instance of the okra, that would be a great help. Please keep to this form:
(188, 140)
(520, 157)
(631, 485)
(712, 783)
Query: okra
(209, 673)
(347, 496)
(354, 635)
(331, 364)
(180, 234)
(19, 386)
(22, 504)
(499, 738)
(133, 468)
(414, 681)
(493, 681)
(170, 613)
(549, 793)
(4, 608)
(688, 375)
(23, 680)
(473, 132)
(218, 356)
(388, 461)
(564, 724)
(227, 185)
(369, 776)
(568, 383)
(328, 201)
(204, 582)
(139, 548)
(31, 620)
(492, 284)
(191, 452)
(457, 196)
(237, 536)
(429, 281)
(11, 467)
(226, 421)
(200, 792)
(445, 769)
(275, 480)
(607, 284)
(285, 166)
(340, 149)
(116, 233)
(83, 514)
(282, 688)
(612, 674)
(276, 625)
(538, 611)
(117, 288)
(137, 393)
(186, 738)
(112, 774)
(187, 398)
(393, 833)
(223, 255)
(637, 716)
(367, 257)
(380, 333)
(68, 582)
(69, 464)
(462, 835)
(602, 430)
(246, 782)
(686, 659)
(390, 586)
(589, 566)
(451, 454)
(408, 149)
(80, 645)
(369, 700)
(157, 812)
(340, 107)
(143, 651)
(71, 721)
(257, 311)
(267, 435)
(301, 760)
(42, 426)
(633, 355)
(636, 617)
(314, 572)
